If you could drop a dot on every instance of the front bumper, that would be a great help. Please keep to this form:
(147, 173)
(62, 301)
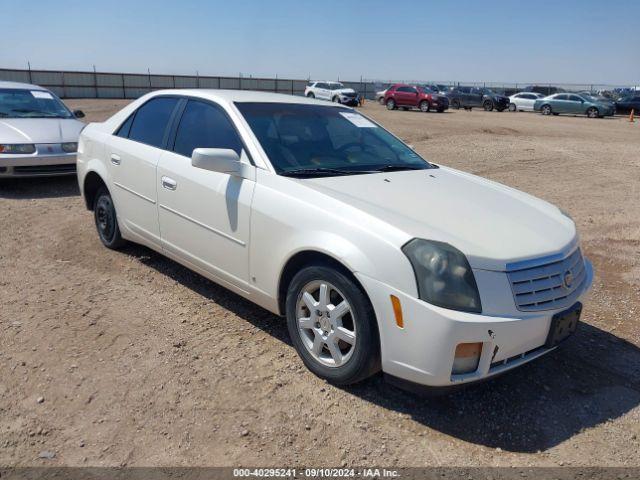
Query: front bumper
(351, 101)
(38, 164)
(441, 103)
(423, 351)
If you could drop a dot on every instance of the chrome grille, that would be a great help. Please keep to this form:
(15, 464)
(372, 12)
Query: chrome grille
(549, 286)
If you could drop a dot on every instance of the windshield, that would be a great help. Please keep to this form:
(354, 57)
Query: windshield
(20, 103)
(324, 140)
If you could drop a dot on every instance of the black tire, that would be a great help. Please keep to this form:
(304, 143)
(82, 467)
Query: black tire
(512, 107)
(592, 112)
(365, 359)
(487, 105)
(106, 220)
(455, 104)
(391, 104)
(424, 106)
(381, 100)
(336, 99)
(311, 95)
(546, 109)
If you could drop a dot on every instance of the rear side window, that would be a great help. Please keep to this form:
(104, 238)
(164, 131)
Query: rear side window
(151, 120)
(125, 128)
(204, 125)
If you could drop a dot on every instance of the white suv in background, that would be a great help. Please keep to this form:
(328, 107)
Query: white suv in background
(333, 91)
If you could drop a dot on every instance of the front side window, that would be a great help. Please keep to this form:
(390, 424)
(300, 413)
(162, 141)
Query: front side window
(151, 120)
(205, 126)
(21, 103)
(324, 140)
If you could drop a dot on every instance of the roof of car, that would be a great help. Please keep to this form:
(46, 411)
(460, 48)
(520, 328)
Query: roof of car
(22, 86)
(243, 96)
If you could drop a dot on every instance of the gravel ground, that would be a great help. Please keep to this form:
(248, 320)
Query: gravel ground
(126, 358)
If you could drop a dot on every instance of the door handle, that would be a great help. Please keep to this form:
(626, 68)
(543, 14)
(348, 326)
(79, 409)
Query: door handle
(169, 183)
(115, 159)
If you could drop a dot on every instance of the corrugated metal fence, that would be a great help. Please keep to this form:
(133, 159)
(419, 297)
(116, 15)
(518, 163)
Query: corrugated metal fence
(68, 84)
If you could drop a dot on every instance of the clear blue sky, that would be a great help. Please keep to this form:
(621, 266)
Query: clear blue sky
(543, 41)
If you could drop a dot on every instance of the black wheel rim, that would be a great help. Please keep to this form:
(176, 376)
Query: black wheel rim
(105, 219)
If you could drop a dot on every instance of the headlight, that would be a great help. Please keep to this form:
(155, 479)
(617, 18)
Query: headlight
(70, 147)
(18, 148)
(443, 274)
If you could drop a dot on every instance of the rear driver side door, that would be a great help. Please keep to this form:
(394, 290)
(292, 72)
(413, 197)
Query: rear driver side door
(133, 155)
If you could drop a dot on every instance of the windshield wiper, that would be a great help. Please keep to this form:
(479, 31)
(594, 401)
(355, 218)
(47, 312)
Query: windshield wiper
(397, 168)
(315, 172)
(39, 112)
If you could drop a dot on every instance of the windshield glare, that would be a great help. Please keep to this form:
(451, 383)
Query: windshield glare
(298, 136)
(20, 103)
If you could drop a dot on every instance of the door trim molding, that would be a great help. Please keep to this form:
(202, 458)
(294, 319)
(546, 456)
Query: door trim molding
(200, 224)
(126, 189)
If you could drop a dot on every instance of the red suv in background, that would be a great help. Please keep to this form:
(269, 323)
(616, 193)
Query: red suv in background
(407, 96)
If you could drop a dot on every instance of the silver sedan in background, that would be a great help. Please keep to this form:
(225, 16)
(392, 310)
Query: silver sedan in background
(38, 133)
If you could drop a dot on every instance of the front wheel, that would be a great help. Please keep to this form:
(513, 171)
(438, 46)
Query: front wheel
(512, 107)
(332, 325)
(391, 104)
(488, 106)
(424, 106)
(311, 95)
(546, 110)
(381, 100)
(335, 99)
(106, 220)
(592, 112)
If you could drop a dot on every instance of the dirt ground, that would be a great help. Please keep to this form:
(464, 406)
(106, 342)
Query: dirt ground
(126, 358)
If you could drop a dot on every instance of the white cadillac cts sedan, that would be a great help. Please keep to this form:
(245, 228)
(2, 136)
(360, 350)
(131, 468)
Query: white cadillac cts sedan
(377, 258)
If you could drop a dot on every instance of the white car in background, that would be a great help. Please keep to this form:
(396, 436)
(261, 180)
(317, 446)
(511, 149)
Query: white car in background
(332, 91)
(317, 213)
(380, 95)
(38, 133)
(523, 101)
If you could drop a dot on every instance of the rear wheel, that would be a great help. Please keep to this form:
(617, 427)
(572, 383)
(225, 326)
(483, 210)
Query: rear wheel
(391, 104)
(455, 104)
(424, 106)
(487, 105)
(593, 112)
(311, 95)
(332, 325)
(381, 100)
(106, 220)
(546, 110)
(335, 99)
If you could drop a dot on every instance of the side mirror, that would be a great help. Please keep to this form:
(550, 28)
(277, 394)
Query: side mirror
(222, 160)
(78, 113)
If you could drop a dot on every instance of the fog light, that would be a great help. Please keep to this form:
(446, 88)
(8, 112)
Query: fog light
(467, 358)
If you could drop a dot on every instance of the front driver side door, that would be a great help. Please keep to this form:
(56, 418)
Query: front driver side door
(204, 215)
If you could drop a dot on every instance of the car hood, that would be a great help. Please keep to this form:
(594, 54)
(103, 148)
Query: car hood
(493, 225)
(39, 130)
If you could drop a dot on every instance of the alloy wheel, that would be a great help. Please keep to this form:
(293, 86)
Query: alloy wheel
(326, 323)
